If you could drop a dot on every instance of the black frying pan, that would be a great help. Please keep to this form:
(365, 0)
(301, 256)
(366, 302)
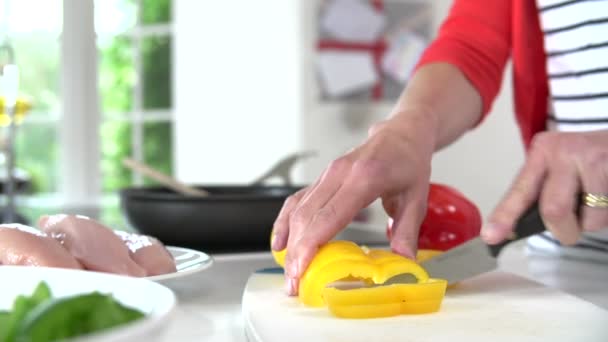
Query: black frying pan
(231, 218)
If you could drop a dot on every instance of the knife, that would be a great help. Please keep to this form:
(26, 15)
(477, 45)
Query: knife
(475, 257)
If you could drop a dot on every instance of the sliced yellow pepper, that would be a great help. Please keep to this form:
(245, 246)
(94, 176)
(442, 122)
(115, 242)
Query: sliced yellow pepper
(387, 300)
(338, 260)
(425, 254)
(346, 261)
(422, 255)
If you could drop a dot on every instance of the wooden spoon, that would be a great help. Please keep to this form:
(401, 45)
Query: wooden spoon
(164, 179)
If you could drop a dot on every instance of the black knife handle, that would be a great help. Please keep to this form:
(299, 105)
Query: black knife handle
(529, 224)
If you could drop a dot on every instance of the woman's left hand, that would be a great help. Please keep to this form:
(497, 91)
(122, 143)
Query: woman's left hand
(559, 169)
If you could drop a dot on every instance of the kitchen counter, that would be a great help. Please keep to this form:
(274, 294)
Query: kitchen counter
(210, 310)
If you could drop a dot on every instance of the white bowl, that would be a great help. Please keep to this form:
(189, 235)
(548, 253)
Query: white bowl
(156, 301)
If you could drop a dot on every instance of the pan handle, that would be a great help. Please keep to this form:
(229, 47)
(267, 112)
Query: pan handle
(283, 167)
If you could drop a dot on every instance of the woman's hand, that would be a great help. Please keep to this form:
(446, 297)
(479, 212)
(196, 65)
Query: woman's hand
(559, 168)
(392, 164)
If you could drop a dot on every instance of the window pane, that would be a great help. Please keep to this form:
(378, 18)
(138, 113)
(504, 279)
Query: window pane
(117, 75)
(156, 11)
(157, 72)
(37, 54)
(36, 152)
(158, 146)
(114, 17)
(34, 37)
(115, 145)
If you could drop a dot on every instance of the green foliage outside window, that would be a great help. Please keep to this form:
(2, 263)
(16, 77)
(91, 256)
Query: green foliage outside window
(117, 80)
(36, 146)
(157, 72)
(156, 11)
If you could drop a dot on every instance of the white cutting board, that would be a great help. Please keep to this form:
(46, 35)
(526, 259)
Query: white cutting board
(494, 307)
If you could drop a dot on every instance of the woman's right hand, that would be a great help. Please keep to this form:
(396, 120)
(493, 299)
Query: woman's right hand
(393, 164)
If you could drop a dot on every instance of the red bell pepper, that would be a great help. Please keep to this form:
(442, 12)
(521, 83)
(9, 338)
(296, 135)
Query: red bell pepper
(451, 219)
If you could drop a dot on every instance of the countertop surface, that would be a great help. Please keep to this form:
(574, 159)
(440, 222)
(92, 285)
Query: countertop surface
(210, 301)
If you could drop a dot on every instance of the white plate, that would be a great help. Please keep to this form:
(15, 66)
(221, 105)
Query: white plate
(187, 262)
(153, 299)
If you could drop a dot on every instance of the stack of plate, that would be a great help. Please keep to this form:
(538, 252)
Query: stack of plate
(592, 246)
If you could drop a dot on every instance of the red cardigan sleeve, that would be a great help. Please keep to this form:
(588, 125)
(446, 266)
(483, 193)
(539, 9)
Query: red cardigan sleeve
(476, 38)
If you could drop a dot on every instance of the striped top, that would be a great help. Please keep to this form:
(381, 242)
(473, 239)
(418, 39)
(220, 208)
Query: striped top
(576, 43)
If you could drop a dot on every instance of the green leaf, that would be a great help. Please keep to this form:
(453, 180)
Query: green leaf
(74, 316)
(41, 294)
(22, 306)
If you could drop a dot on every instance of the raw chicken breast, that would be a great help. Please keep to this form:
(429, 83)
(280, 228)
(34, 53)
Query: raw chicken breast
(95, 246)
(27, 246)
(148, 253)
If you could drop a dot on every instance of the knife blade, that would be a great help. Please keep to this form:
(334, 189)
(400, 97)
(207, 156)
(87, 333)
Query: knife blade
(475, 257)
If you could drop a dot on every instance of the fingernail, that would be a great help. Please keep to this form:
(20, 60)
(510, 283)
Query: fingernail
(292, 269)
(487, 231)
(274, 242)
(290, 286)
(300, 267)
(491, 232)
(402, 248)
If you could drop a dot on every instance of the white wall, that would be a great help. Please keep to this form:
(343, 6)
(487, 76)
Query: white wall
(237, 94)
(234, 117)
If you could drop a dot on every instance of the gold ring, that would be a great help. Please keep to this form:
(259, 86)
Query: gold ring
(595, 200)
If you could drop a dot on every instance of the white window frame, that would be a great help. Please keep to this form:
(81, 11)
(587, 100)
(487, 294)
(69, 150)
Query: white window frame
(80, 177)
(80, 154)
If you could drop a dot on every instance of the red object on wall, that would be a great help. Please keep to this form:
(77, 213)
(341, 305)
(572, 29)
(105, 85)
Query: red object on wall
(377, 49)
(378, 5)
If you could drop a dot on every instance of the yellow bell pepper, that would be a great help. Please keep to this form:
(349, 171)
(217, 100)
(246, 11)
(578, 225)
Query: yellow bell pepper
(345, 261)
